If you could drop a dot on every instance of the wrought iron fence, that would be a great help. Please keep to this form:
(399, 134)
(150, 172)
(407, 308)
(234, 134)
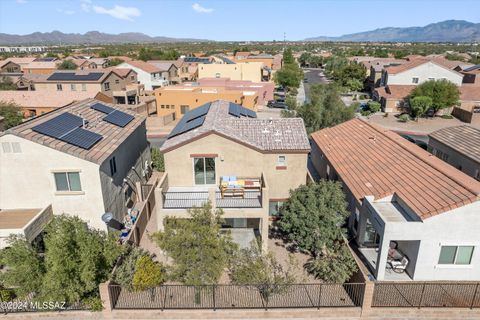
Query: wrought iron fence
(10, 303)
(249, 199)
(427, 295)
(184, 200)
(239, 297)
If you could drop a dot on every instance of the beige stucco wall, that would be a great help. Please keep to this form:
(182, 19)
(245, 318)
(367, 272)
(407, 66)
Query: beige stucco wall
(27, 181)
(239, 160)
(424, 72)
(240, 71)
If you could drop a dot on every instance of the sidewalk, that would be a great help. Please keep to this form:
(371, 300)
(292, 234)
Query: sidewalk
(301, 94)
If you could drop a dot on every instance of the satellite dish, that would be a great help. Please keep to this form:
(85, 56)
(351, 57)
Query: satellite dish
(107, 216)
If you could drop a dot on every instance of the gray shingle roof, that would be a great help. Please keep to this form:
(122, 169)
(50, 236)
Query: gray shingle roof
(463, 139)
(264, 135)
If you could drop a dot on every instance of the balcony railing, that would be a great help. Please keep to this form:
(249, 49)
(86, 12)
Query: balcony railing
(184, 199)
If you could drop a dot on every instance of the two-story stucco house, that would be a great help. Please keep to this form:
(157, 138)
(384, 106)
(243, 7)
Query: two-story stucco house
(413, 216)
(148, 74)
(221, 152)
(84, 159)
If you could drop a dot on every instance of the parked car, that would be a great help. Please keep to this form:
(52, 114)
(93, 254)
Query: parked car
(277, 104)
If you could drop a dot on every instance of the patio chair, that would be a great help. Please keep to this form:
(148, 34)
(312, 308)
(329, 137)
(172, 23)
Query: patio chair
(399, 266)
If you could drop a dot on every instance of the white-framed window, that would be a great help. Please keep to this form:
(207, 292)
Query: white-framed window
(59, 87)
(415, 80)
(67, 181)
(430, 79)
(6, 147)
(117, 81)
(73, 87)
(204, 170)
(282, 161)
(106, 86)
(16, 147)
(184, 109)
(274, 208)
(217, 75)
(84, 87)
(460, 255)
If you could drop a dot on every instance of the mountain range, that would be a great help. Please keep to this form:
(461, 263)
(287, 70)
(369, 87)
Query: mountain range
(445, 31)
(91, 37)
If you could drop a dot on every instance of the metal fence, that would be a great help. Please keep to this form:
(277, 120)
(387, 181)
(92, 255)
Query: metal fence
(239, 297)
(427, 295)
(9, 303)
(184, 200)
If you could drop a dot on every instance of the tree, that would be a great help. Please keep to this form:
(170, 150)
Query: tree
(288, 56)
(148, 274)
(444, 94)
(158, 160)
(115, 62)
(198, 247)
(26, 268)
(335, 265)
(77, 258)
(252, 266)
(354, 84)
(313, 215)
(290, 76)
(10, 112)
(374, 106)
(126, 269)
(7, 84)
(312, 218)
(67, 65)
(419, 105)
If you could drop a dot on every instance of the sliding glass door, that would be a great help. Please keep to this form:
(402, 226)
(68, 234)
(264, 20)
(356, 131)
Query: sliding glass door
(204, 170)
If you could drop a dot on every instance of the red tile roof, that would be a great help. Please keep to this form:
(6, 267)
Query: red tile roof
(395, 91)
(373, 161)
(142, 65)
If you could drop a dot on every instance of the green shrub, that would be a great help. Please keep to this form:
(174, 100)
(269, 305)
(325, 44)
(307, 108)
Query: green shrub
(124, 272)
(374, 106)
(403, 118)
(158, 160)
(365, 113)
(148, 274)
(93, 303)
(446, 116)
(6, 295)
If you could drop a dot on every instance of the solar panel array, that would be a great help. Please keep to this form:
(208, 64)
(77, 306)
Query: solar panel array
(239, 111)
(67, 127)
(46, 59)
(196, 60)
(72, 76)
(226, 60)
(191, 120)
(114, 116)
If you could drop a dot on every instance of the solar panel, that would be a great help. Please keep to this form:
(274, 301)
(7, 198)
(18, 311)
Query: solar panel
(238, 111)
(197, 112)
(59, 125)
(119, 118)
(184, 126)
(72, 76)
(81, 138)
(102, 108)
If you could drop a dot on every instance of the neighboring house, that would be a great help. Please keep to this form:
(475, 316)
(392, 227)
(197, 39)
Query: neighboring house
(458, 146)
(471, 75)
(23, 49)
(469, 109)
(22, 62)
(417, 72)
(41, 67)
(262, 159)
(2, 123)
(105, 81)
(7, 66)
(147, 74)
(169, 70)
(375, 68)
(34, 103)
(181, 99)
(406, 205)
(392, 97)
(242, 55)
(251, 71)
(189, 69)
(93, 165)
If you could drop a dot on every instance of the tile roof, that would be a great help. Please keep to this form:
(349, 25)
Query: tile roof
(264, 135)
(142, 65)
(53, 99)
(113, 136)
(164, 65)
(373, 161)
(469, 92)
(42, 65)
(395, 91)
(463, 139)
(21, 60)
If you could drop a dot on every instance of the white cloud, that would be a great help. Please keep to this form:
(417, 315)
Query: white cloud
(68, 12)
(119, 12)
(85, 5)
(21, 1)
(201, 9)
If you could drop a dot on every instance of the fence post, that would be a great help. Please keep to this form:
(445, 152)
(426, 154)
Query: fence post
(164, 298)
(474, 296)
(105, 296)
(214, 305)
(421, 297)
(368, 296)
(320, 296)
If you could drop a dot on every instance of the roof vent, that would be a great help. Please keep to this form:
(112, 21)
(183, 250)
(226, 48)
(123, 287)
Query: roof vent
(369, 185)
(373, 138)
(265, 130)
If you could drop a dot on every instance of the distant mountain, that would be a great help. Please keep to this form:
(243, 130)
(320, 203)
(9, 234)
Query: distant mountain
(445, 31)
(91, 37)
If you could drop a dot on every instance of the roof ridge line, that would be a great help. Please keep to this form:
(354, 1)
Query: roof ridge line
(428, 160)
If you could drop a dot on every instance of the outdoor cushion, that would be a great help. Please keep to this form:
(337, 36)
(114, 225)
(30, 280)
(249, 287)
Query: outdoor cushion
(226, 178)
(233, 178)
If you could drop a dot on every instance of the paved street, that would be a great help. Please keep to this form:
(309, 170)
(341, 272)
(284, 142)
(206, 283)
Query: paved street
(314, 76)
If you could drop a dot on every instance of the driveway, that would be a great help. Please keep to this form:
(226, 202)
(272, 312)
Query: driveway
(314, 76)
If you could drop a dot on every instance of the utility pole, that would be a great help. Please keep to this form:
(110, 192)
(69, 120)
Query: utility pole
(284, 40)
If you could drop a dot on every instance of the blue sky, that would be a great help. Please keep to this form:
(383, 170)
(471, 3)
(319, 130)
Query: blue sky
(228, 19)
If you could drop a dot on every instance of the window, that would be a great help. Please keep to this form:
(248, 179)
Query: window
(430, 79)
(204, 170)
(217, 75)
(456, 255)
(274, 208)
(59, 87)
(163, 106)
(184, 109)
(113, 166)
(6, 147)
(281, 161)
(16, 147)
(132, 77)
(67, 181)
(106, 86)
(117, 81)
(415, 80)
(73, 87)
(477, 174)
(440, 154)
(84, 87)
